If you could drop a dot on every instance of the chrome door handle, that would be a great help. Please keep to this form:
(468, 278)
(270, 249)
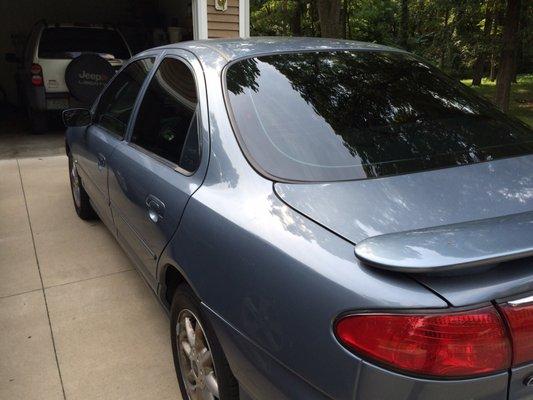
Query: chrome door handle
(101, 161)
(155, 207)
(152, 215)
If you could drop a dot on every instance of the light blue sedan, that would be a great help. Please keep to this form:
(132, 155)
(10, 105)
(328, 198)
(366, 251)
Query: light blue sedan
(322, 219)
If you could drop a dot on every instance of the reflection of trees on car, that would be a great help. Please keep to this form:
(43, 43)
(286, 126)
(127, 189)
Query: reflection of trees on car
(391, 111)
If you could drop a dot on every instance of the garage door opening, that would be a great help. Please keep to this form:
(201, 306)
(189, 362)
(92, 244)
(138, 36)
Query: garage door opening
(59, 54)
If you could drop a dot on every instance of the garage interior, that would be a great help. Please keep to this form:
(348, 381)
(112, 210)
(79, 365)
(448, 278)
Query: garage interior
(76, 319)
(143, 23)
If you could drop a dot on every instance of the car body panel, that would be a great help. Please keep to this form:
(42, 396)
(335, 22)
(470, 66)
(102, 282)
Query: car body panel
(253, 290)
(360, 209)
(375, 383)
(521, 383)
(95, 147)
(456, 248)
(135, 179)
(480, 286)
(273, 276)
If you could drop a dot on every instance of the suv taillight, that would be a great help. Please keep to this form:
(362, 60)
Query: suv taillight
(519, 316)
(453, 344)
(36, 75)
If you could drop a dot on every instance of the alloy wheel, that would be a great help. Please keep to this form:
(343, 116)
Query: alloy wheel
(75, 185)
(195, 358)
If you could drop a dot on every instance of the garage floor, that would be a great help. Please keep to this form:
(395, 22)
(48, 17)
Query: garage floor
(76, 319)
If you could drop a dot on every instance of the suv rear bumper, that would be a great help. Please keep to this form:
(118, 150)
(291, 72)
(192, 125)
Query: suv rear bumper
(54, 101)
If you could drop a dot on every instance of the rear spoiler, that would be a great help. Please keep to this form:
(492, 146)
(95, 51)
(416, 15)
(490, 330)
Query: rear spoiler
(451, 247)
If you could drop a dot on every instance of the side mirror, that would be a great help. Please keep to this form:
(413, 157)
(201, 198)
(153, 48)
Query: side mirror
(77, 117)
(11, 58)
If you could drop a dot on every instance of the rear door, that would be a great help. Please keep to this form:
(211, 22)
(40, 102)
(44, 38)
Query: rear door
(111, 119)
(155, 171)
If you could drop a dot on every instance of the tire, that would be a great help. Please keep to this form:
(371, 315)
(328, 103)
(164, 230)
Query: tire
(39, 121)
(81, 201)
(186, 305)
(86, 76)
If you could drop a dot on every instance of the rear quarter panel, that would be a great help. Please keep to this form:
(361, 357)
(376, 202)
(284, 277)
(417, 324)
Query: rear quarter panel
(274, 282)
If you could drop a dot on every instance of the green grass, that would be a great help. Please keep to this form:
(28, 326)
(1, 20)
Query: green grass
(521, 104)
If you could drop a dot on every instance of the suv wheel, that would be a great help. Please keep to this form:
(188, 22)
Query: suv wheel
(39, 121)
(201, 366)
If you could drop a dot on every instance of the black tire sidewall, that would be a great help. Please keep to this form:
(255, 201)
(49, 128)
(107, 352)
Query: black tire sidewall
(38, 120)
(85, 211)
(184, 298)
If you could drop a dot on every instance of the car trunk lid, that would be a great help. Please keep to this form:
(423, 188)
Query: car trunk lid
(493, 191)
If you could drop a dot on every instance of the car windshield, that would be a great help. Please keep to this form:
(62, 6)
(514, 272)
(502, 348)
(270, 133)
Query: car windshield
(67, 42)
(343, 115)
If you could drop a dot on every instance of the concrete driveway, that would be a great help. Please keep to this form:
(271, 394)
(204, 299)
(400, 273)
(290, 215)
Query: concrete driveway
(76, 319)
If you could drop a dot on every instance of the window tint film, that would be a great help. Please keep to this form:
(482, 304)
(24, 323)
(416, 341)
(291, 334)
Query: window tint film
(70, 42)
(166, 124)
(116, 103)
(344, 115)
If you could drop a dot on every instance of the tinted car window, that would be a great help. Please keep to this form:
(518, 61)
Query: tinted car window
(66, 42)
(116, 103)
(166, 124)
(344, 115)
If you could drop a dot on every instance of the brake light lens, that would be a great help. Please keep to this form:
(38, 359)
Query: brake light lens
(460, 344)
(36, 75)
(520, 320)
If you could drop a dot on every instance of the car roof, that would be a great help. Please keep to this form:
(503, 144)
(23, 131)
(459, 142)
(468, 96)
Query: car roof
(232, 49)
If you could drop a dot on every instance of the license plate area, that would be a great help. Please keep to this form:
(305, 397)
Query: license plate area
(57, 103)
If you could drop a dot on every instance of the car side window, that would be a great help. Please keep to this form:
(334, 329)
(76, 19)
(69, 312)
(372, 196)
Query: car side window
(167, 121)
(116, 103)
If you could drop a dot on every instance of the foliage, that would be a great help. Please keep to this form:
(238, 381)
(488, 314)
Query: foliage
(521, 104)
(453, 34)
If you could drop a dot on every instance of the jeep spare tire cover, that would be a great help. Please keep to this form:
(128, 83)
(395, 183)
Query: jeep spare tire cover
(87, 75)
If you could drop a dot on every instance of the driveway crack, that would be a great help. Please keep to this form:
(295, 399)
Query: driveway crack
(41, 279)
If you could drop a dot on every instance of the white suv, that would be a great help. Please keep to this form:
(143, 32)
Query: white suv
(65, 65)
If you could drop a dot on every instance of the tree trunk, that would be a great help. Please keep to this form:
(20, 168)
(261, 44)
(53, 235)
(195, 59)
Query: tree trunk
(492, 75)
(508, 54)
(477, 71)
(479, 64)
(404, 23)
(296, 19)
(445, 36)
(313, 17)
(345, 19)
(329, 15)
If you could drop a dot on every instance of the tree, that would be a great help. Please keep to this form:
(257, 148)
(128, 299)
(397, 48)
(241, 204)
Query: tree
(479, 64)
(404, 23)
(508, 54)
(296, 18)
(329, 14)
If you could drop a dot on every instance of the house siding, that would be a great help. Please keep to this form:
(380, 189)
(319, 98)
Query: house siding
(223, 24)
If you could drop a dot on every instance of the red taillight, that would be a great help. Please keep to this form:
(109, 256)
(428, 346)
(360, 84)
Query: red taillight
(36, 69)
(520, 320)
(459, 344)
(36, 75)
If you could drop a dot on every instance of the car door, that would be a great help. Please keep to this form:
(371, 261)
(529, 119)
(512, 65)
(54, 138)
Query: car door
(110, 121)
(155, 171)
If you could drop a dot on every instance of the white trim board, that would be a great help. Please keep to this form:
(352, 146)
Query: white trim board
(244, 18)
(199, 19)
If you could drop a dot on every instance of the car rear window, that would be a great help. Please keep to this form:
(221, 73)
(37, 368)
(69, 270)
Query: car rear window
(344, 115)
(67, 43)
